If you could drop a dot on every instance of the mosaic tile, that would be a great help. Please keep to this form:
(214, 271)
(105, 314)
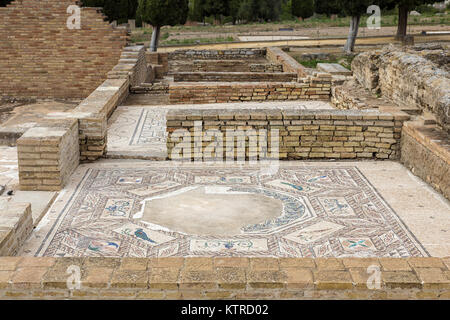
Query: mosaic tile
(326, 211)
(231, 245)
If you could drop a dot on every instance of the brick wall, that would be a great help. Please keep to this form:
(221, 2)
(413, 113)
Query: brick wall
(233, 54)
(132, 63)
(276, 55)
(225, 278)
(94, 111)
(41, 57)
(230, 66)
(316, 87)
(159, 62)
(48, 154)
(303, 134)
(346, 98)
(16, 224)
(234, 77)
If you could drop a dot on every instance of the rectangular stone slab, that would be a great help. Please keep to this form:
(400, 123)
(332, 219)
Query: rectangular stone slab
(334, 69)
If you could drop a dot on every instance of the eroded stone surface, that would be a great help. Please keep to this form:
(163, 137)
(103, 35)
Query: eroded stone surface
(210, 211)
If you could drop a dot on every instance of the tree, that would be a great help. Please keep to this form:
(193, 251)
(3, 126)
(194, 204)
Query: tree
(198, 12)
(352, 8)
(3, 3)
(404, 7)
(216, 8)
(160, 13)
(327, 7)
(115, 10)
(260, 10)
(303, 8)
(234, 9)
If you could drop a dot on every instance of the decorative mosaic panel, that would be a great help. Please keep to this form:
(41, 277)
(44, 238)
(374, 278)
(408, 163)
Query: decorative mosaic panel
(326, 212)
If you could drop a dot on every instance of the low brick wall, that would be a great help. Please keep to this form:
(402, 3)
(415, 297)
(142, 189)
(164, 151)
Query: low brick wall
(231, 66)
(226, 278)
(276, 55)
(132, 64)
(233, 54)
(234, 77)
(424, 151)
(94, 111)
(16, 224)
(159, 62)
(48, 154)
(315, 87)
(342, 98)
(303, 134)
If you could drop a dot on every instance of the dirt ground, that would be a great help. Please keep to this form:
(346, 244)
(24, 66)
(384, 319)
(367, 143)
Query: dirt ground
(263, 30)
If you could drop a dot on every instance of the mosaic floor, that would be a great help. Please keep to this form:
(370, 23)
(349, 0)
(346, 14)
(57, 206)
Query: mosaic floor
(147, 209)
(136, 131)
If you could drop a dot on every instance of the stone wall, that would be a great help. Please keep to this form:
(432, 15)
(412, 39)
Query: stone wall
(159, 62)
(303, 134)
(266, 67)
(315, 87)
(406, 77)
(234, 77)
(43, 58)
(16, 224)
(276, 55)
(343, 98)
(230, 66)
(233, 54)
(424, 150)
(48, 154)
(225, 278)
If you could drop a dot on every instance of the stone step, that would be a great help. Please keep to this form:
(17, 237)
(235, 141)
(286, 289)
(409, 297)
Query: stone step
(40, 202)
(334, 69)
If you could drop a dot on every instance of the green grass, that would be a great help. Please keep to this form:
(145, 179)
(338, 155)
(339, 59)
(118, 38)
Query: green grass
(313, 63)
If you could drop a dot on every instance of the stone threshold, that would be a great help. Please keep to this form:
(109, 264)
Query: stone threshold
(225, 278)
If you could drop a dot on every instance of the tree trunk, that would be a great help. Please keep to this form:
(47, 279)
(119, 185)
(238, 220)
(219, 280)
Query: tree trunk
(353, 32)
(155, 38)
(402, 22)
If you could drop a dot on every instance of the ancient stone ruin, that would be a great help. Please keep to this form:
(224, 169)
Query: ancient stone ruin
(122, 172)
